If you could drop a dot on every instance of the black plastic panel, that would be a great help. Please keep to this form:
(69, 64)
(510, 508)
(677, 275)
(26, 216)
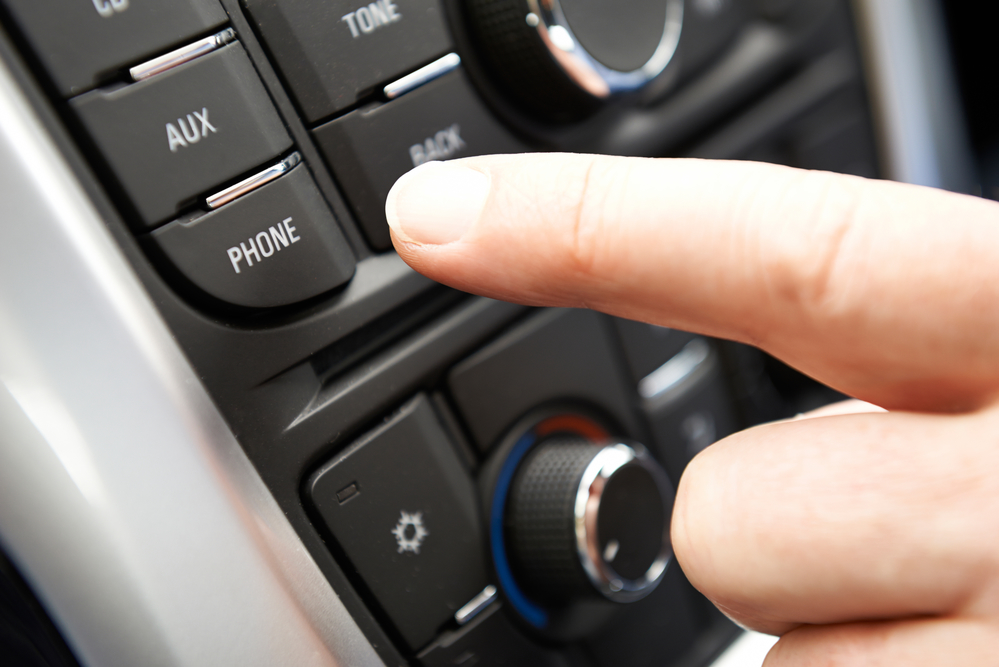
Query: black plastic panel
(557, 356)
(647, 347)
(704, 413)
(491, 640)
(298, 383)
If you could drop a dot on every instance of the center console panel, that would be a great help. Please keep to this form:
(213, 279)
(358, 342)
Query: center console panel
(241, 152)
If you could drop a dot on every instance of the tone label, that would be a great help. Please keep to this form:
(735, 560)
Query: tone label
(365, 20)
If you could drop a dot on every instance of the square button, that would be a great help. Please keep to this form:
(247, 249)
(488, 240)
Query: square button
(404, 510)
(331, 50)
(371, 147)
(83, 43)
(176, 135)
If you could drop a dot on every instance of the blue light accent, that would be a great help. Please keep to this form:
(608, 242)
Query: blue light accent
(531, 612)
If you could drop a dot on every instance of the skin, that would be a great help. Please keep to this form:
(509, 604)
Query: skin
(867, 538)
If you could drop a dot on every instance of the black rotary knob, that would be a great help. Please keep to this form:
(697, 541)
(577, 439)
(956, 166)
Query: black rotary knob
(562, 58)
(584, 517)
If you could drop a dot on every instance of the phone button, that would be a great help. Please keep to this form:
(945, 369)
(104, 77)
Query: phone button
(275, 246)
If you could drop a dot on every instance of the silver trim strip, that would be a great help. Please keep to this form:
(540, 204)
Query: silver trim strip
(676, 371)
(920, 124)
(125, 500)
(425, 74)
(476, 605)
(248, 185)
(547, 17)
(182, 55)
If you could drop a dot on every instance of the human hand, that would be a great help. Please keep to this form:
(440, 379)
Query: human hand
(863, 539)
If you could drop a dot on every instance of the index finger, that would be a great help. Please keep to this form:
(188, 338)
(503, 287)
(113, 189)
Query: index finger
(887, 292)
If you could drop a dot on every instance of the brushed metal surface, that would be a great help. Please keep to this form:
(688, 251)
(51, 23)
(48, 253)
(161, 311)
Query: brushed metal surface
(913, 86)
(125, 500)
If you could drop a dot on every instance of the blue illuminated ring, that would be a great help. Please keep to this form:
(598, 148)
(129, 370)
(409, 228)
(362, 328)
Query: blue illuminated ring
(531, 612)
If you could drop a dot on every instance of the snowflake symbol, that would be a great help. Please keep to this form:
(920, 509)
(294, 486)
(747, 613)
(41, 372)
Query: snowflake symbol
(413, 523)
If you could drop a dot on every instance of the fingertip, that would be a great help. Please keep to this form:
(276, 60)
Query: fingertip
(691, 515)
(436, 203)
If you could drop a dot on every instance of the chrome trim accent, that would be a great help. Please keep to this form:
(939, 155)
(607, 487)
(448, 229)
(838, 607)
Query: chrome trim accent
(476, 605)
(125, 500)
(921, 130)
(587, 507)
(547, 17)
(182, 55)
(675, 372)
(425, 74)
(248, 185)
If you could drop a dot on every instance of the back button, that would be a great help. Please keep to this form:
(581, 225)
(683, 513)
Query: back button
(370, 148)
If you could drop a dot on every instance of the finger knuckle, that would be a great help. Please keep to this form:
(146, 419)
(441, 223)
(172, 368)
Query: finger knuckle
(593, 204)
(810, 262)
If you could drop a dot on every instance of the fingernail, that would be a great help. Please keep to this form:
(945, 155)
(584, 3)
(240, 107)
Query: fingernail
(436, 203)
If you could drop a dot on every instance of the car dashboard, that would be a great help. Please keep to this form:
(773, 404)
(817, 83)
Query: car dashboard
(238, 429)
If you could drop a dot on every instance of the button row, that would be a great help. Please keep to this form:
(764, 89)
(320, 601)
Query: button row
(199, 117)
(332, 53)
(196, 118)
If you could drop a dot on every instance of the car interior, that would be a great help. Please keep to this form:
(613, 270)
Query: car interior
(237, 429)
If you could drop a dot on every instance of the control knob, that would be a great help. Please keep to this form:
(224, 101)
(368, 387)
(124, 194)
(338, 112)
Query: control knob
(585, 517)
(563, 58)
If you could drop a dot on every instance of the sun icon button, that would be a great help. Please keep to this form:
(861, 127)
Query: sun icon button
(410, 532)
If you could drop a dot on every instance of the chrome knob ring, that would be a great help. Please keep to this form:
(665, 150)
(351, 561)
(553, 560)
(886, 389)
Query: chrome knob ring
(600, 81)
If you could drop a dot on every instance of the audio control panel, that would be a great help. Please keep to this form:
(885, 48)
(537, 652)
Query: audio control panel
(480, 483)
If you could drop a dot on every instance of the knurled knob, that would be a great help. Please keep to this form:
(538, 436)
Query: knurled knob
(583, 516)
